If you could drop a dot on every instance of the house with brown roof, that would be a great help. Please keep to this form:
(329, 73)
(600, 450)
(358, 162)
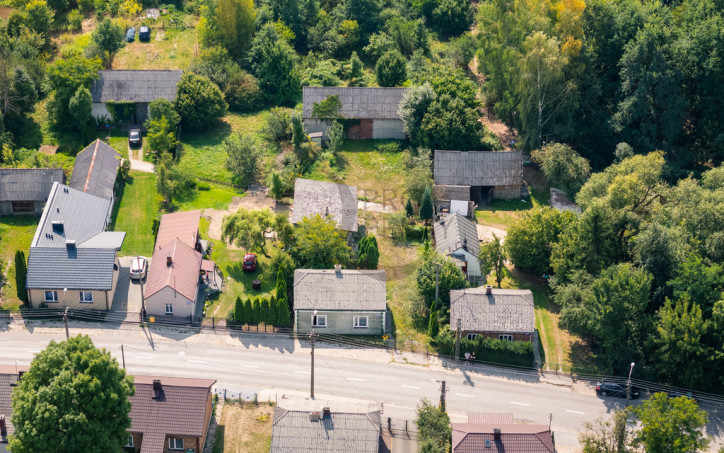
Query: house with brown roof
(505, 314)
(169, 415)
(478, 176)
(498, 433)
(173, 284)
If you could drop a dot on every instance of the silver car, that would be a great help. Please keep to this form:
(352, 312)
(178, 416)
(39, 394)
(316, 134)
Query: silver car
(139, 267)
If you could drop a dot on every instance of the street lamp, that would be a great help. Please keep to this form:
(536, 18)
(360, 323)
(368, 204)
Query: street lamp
(628, 384)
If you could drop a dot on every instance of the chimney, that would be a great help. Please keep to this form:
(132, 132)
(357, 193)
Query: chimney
(57, 226)
(465, 243)
(489, 289)
(326, 412)
(338, 268)
(157, 389)
(70, 243)
(496, 434)
(3, 429)
(315, 416)
(20, 374)
(169, 260)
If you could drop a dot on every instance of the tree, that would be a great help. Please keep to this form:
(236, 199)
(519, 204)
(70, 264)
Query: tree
(671, 425)
(248, 229)
(160, 136)
(299, 136)
(492, 258)
(39, 19)
(277, 186)
(264, 311)
(319, 244)
(335, 133)
(199, 102)
(94, 419)
(418, 178)
(282, 307)
(161, 108)
(21, 275)
(452, 17)
(256, 312)
(173, 183)
(563, 166)
(451, 277)
(605, 435)
(65, 76)
(273, 63)
(109, 37)
(248, 312)
(433, 326)
(80, 106)
(230, 23)
(391, 69)
(368, 254)
(531, 237)
(272, 318)
(239, 311)
(244, 158)
(426, 208)
(413, 107)
(327, 109)
(433, 426)
(409, 210)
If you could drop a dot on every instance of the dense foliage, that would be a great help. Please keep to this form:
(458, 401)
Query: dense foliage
(199, 102)
(319, 244)
(433, 427)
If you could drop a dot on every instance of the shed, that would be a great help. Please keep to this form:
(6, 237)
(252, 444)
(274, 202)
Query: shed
(376, 110)
(25, 190)
(479, 176)
(95, 170)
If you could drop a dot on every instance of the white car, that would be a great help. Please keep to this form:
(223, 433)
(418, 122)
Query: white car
(139, 267)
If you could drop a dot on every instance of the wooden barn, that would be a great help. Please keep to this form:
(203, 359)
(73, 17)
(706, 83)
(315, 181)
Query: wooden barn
(478, 176)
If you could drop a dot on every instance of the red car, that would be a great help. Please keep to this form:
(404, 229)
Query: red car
(249, 262)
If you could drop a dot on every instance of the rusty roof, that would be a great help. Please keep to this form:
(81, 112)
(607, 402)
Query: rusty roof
(472, 437)
(182, 225)
(182, 274)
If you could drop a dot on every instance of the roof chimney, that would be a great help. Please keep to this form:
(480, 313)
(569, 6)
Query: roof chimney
(157, 389)
(489, 289)
(169, 260)
(326, 412)
(70, 243)
(3, 429)
(57, 226)
(338, 268)
(315, 416)
(496, 433)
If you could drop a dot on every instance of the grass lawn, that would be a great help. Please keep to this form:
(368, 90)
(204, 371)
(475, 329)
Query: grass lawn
(134, 213)
(218, 197)
(16, 233)
(168, 49)
(502, 213)
(244, 428)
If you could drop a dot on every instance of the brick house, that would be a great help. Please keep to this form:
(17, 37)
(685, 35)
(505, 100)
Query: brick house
(169, 415)
(497, 433)
(506, 314)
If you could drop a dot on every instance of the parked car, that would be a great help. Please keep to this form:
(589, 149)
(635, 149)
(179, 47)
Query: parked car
(135, 138)
(131, 34)
(675, 394)
(604, 388)
(139, 268)
(249, 262)
(144, 34)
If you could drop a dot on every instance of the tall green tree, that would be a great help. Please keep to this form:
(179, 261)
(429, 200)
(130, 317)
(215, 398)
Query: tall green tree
(248, 312)
(368, 254)
(248, 229)
(426, 208)
(433, 426)
(239, 311)
(256, 312)
(109, 37)
(413, 107)
(199, 102)
(563, 166)
(264, 312)
(229, 23)
(39, 18)
(94, 419)
(274, 63)
(319, 244)
(65, 76)
(531, 237)
(336, 136)
(21, 275)
(451, 277)
(80, 106)
(492, 259)
(244, 158)
(391, 69)
(671, 424)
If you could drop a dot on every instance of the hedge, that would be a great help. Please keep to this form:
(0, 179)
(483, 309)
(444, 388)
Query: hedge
(518, 353)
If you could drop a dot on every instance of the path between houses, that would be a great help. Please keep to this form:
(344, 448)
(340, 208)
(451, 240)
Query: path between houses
(137, 162)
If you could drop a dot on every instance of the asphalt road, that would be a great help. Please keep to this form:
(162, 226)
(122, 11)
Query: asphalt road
(272, 367)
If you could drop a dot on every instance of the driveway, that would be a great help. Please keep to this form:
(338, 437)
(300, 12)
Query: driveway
(135, 155)
(128, 292)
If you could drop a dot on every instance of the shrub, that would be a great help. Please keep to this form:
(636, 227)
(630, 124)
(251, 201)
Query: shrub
(278, 125)
(518, 353)
(530, 239)
(391, 69)
(388, 147)
(417, 232)
(75, 20)
(203, 185)
(243, 93)
(21, 271)
(199, 102)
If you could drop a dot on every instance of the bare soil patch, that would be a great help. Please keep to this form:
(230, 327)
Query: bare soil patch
(256, 198)
(88, 25)
(5, 11)
(245, 428)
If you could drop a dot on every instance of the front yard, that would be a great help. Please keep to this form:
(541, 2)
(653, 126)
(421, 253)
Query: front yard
(136, 207)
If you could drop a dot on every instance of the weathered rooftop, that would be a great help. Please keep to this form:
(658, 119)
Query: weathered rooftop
(338, 201)
(454, 232)
(28, 184)
(504, 311)
(95, 170)
(8, 379)
(478, 168)
(357, 102)
(182, 225)
(135, 85)
(327, 289)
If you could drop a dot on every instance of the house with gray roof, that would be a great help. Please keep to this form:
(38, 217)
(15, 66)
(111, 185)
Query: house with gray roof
(457, 236)
(326, 427)
(497, 433)
(137, 87)
(73, 260)
(374, 109)
(9, 376)
(25, 190)
(326, 199)
(478, 176)
(95, 170)
(506, 314)
(340, 301)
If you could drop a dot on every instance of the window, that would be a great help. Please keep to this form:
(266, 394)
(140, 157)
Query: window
(361, 322)
(176, 443)
(129, 441)
(86, 297)
(23, 207)
(472, 336)
(169, 309)
(319, 320)
(51, 296)
(505, 337)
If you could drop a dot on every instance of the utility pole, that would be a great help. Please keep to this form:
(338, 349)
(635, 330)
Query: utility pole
(628, 384)
(437, 285)
(443, 391)
(312, 340)
(65, 318)
(123, 357)
(457, 341)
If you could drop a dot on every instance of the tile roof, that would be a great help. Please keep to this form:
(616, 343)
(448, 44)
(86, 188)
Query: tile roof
(357, 102)
(183, 273)
(95, 170)
(8, 378)
(453, 232)
(181, 225)
(327, 289)
(478, 168)
(325, 198)
(351, 427)
(71, 268)
(135, 85)
(83, 216)
(181, 412)
(28, 184)
(505, 310)
(490, 419)
(514, 438)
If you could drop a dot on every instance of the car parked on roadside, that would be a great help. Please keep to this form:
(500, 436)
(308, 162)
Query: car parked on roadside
(604, 388)
(139, 268)
(134, 137)
(249, 264)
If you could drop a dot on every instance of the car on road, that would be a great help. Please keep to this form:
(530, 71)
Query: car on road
(604, 388)
(134, 137)
(249, 262)
(139, 268)
(144, 34)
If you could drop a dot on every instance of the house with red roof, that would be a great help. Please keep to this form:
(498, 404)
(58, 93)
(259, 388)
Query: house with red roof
(497, 433)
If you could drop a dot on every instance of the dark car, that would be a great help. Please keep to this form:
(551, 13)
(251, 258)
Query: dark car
(134, 137)
(131, 34)
(675, 394)
(144, 34)
(612, 389)
(249, 262)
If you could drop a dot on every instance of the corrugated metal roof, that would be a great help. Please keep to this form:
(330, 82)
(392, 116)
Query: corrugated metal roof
(181, 225)
(181, 275)
(71, 268)
(351, 427)
(453, 232)
(357, 102)
(135, 85)
(478, 168)
(470, 438)
(83, 216)
(105, 240)
(339, 201)
(28, 184)
(327, 289)
(505, 310)
(95, 170)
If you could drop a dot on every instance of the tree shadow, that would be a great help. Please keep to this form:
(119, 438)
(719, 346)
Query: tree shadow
(212, 136)
(119, 196)
(219, 439)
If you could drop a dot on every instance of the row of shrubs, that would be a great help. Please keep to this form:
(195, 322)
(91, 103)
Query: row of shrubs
(272, 312)
(492, 350)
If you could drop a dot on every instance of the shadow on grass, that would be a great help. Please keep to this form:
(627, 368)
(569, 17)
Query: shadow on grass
(117, 203)
(219, 439)
(212, 136)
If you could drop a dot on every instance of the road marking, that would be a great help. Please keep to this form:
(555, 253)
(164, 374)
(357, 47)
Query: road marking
(575, 412)
(410, 387)
(356, 379)
(466, 396)
(197, 361)
(520, 404)
(302, 372)
(248, 366)
(144, 357)
(35, 352)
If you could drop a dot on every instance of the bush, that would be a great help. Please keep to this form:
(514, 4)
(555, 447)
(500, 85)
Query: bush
(203, 185)
(278, 126)
(199, 102)
(518, 353)
(391, 69)
(563, 166)
(243, 93)
(21, 271)
(388, 147)
(75, 20)
(418, 232)
(530, 239)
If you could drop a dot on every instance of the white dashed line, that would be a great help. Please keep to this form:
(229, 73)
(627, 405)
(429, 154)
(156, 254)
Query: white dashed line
(520, 404)
(356, 379)
(410, 387)
(575, 412)
(302, 372)
(466, 396)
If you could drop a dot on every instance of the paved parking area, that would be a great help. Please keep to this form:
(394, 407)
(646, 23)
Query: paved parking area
(128, 292)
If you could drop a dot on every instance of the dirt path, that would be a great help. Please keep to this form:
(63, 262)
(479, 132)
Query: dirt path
(137, 162)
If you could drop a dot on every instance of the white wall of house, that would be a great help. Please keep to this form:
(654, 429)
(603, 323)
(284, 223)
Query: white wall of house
(388, 129)
(312, 125)
(99, 109)
(472, 260)
(156, 304)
